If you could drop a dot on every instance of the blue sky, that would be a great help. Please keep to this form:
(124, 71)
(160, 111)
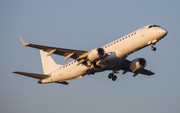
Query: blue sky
(85, 25)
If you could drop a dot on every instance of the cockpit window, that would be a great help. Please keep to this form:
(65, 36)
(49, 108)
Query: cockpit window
(153, 26)
(156, 26)
(150, 26)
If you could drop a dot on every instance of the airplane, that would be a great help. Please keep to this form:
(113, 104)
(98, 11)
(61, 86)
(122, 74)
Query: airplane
(111, 56)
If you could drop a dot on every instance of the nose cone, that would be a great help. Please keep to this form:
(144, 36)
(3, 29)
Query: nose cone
(162, 31)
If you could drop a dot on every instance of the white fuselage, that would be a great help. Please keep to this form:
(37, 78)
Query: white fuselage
(116, 52)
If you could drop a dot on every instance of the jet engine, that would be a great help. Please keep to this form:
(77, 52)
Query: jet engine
(137, 64)
(96, 54)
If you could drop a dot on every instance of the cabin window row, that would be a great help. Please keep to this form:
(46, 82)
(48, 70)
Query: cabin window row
(120, 39)
(69, 64)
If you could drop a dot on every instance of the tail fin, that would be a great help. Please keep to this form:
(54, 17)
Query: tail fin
(48, 63)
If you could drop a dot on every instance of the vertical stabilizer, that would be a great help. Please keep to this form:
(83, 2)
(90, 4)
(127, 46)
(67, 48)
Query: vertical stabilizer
(48, 63)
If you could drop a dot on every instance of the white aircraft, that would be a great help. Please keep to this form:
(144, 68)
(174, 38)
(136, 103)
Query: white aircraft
(111, 56)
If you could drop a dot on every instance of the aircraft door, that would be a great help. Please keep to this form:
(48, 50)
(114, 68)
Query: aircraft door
(60, 72)
(142, 32)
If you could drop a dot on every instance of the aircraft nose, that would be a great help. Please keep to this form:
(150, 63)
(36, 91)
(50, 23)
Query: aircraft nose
(162, 31)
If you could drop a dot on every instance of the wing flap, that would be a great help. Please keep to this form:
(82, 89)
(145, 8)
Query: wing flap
(33, 75)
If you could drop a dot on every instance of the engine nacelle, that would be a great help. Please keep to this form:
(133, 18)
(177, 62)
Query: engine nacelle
(96, 54)
(137, 64)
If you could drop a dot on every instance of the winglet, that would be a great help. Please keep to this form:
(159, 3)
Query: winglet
(24, 43)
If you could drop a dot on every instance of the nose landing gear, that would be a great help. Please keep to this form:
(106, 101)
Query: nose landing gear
(152, 47)
(153, 43)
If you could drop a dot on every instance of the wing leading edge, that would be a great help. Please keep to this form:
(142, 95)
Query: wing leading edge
(68, 53)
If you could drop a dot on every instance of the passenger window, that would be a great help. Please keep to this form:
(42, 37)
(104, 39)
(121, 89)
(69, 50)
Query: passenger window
(117, 41)
(114, 42)
(135, 33)
(108, 45)
(105, 46)
(131, 34)
(120, 40)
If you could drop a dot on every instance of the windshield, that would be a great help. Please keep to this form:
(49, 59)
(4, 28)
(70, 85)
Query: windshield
(153, 26)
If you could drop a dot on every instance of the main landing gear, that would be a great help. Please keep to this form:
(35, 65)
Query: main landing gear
(112, 76)
(91, 71)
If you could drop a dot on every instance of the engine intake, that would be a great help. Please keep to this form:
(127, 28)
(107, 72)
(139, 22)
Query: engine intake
(96, 54)
(137, 64)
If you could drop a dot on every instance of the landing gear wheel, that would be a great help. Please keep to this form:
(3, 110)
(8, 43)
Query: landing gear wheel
(114, 78)
(110, 75)
(88, 71)
(92, 71)
(153, 48)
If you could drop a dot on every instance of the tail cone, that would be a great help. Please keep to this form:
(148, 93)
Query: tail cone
(40, 81)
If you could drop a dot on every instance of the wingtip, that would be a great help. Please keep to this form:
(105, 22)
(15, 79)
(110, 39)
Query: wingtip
(24, 43)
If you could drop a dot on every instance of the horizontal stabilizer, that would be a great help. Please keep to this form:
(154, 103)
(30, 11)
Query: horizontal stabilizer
(33, 75)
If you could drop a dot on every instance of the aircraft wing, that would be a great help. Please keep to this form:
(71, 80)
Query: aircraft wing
(125, 66)
(146, 72)
(68, 53)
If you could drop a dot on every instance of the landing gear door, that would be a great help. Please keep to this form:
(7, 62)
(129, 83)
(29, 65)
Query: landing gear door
(142, 32)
